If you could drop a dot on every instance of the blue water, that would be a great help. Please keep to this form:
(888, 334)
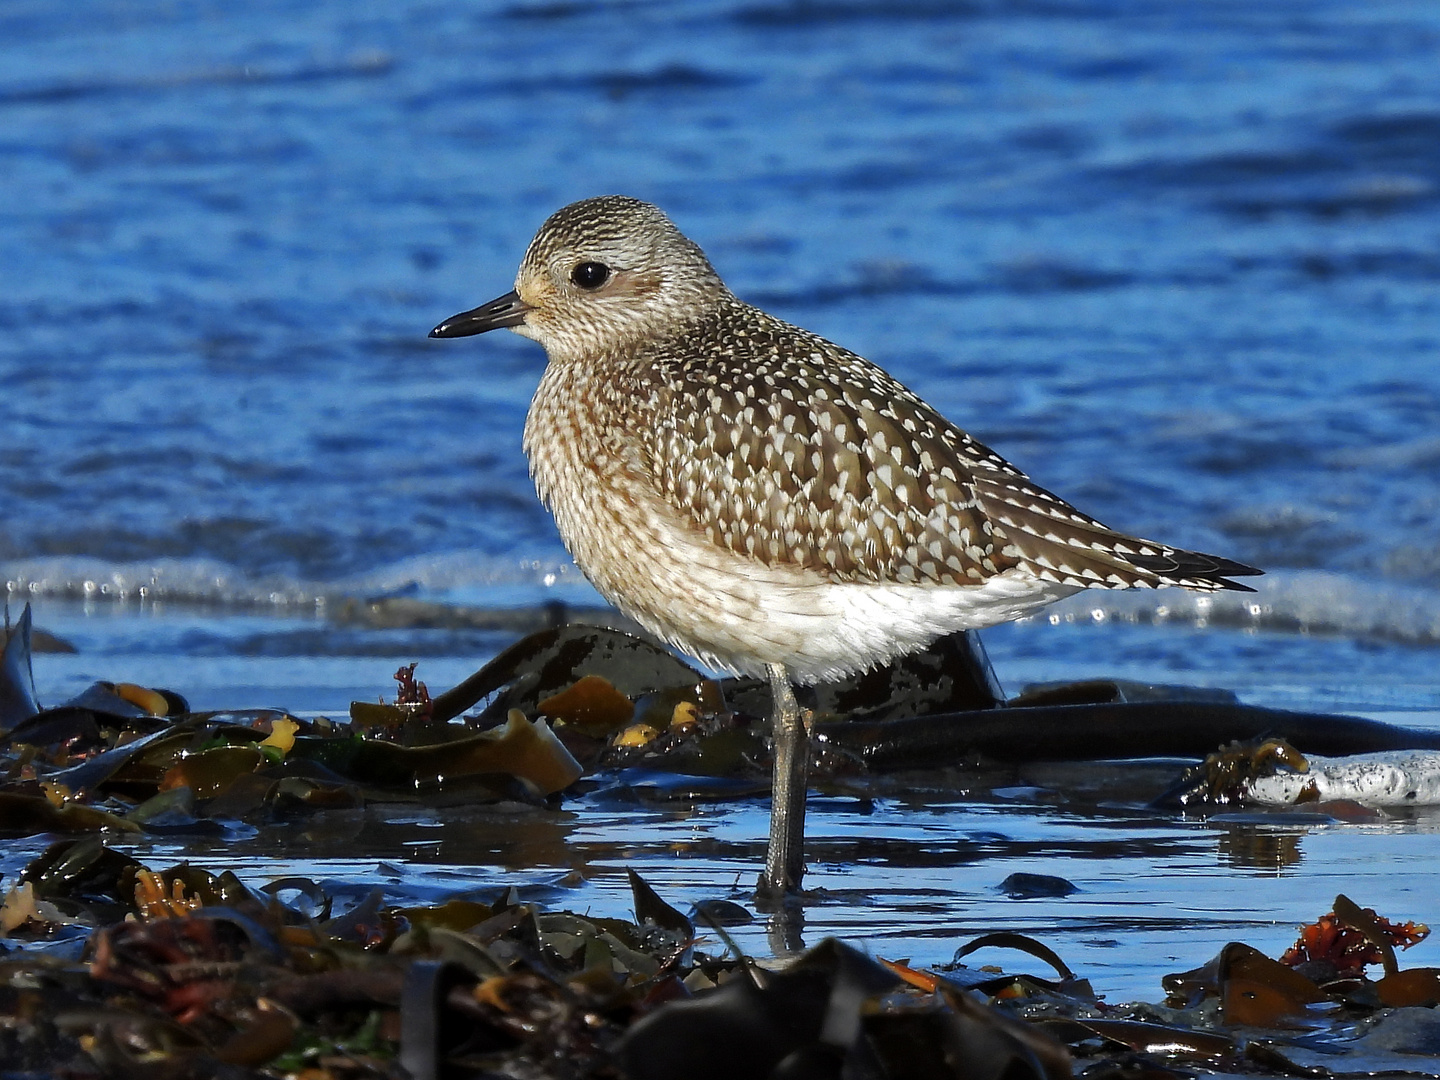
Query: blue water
(1178, 261)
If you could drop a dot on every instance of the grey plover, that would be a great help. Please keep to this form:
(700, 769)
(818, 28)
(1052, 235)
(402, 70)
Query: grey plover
(765, 500)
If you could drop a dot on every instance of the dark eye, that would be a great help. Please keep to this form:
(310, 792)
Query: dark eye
(590, 275)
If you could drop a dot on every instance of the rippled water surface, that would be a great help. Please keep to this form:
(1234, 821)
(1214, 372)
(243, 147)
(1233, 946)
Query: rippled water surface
(1178, 261)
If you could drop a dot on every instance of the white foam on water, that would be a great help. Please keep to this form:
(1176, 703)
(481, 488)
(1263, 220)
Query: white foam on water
(457, 577)
(1285, 602)
(1296, 601)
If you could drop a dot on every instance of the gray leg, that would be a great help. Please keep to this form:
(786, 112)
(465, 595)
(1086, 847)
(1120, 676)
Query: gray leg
(785, 858)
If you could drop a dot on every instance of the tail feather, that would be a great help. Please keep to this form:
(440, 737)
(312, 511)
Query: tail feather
(1056, 542)
(1176, 562)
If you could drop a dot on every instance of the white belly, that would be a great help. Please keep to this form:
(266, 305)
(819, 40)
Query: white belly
(737, 614)
(731, 611)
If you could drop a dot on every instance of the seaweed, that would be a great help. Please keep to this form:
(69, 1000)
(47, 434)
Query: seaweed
(119, 968)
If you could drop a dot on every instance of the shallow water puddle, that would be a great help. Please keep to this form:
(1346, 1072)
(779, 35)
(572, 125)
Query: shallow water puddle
(1154, 893)
(904, 865)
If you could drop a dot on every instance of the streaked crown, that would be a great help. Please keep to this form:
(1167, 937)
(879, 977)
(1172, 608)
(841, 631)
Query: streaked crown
(605, 272)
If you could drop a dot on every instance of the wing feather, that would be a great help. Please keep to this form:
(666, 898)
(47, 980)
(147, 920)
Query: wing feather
(792, 451)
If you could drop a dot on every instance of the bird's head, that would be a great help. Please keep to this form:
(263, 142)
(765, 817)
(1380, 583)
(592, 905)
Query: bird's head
(600, 274)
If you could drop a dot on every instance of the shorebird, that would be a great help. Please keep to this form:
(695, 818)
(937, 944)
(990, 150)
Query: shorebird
(767, 501)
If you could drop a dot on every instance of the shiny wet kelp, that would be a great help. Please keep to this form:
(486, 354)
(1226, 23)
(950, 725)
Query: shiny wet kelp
(568, 703)
(192, 971)
(115, 969)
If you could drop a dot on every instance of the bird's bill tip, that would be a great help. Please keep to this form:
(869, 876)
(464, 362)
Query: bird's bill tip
(507, 310)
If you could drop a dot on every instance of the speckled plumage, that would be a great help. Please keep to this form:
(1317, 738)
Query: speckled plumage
(764, 499)
(758, 495)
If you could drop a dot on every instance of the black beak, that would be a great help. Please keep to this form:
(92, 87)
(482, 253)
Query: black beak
(507, 310)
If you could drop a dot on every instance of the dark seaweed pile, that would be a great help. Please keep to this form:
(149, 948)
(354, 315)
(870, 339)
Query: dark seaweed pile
(115, 968)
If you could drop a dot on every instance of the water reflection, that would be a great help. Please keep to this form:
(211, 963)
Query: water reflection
(901, 876)
(1257, 846)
